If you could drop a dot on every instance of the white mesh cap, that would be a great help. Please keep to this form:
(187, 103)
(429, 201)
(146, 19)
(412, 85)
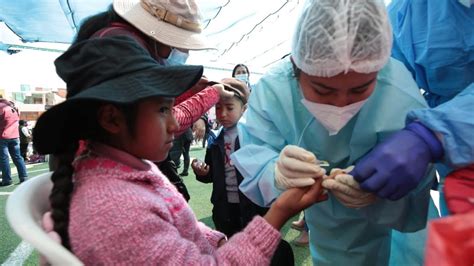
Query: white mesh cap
(336, 36)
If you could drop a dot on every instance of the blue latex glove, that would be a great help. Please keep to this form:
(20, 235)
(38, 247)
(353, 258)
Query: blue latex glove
(396, 166)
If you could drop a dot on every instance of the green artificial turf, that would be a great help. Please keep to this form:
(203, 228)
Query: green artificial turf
(8, 239)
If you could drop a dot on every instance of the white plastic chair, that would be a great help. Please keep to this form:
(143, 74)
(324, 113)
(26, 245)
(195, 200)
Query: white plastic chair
(25, 208)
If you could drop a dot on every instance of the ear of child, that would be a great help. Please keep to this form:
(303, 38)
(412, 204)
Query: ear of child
(111, 119)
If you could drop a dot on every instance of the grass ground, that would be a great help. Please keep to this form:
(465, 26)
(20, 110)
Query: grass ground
(8, 239)
(200, 195)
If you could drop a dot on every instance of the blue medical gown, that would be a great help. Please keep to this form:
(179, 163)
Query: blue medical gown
(339, 235)
(435, 40)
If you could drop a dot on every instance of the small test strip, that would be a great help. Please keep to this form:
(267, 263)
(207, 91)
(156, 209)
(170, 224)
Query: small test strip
(323, 163)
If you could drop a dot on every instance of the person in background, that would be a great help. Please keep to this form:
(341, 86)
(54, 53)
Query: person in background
(205, 118)
(442, 62)
(176, 151)
(242, 73)
(10, 143)
(231, 211)
(25, 139)
(303, 238)
(333, 99)
(188, 139)
(200, 129)
(217, 167)
(120, 100)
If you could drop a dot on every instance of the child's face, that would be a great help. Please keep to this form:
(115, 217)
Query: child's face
(154, 131)
(229, 111)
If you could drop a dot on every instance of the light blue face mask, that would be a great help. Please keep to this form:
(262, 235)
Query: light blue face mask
(242, 77)
(466, 3)
(177, 57)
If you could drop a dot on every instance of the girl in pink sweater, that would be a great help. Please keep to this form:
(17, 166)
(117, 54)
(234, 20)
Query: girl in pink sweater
(111, 205)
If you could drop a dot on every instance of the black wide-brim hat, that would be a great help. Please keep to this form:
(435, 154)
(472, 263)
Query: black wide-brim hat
(113, 69)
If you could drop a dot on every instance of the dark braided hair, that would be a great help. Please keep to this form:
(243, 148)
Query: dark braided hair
(83, 125)
(60, 197)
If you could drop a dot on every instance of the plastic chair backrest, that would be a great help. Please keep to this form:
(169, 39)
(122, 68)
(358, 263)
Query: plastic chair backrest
(25, 209)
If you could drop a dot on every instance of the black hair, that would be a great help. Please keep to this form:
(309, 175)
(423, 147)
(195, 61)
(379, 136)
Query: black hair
(296, 69)
(240, 65)
(96, 22)
(22, 122)
(85, 125)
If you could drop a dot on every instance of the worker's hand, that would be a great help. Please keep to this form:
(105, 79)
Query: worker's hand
(347, 190)
(200, 168)
(396, 166)
(199, 129)
(296, 167)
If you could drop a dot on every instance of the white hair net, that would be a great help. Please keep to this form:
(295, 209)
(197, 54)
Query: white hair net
(336, 36)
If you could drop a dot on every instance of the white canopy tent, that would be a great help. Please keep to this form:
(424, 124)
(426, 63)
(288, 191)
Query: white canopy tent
(255, 33)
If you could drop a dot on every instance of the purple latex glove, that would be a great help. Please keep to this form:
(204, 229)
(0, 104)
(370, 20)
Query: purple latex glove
(396, 166)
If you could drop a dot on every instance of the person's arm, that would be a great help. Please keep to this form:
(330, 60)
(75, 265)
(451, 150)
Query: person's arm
(3, 122)
(213, 236)
(26, 132)
(190, 110)
(154, 235)
(453, 123)
(444, 133)
(202, 84)
(200, 127)
(209, 177)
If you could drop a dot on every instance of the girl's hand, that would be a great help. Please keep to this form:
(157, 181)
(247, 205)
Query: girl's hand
(48, 226)
(293, 201)
(199, 167)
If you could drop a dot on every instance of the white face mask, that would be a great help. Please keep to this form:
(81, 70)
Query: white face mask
(242, 77)
(333, 118)
(466, 3)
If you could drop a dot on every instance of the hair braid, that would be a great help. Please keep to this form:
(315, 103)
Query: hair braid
(60, 197)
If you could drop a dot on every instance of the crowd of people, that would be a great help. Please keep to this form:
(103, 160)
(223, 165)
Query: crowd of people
(338, 128)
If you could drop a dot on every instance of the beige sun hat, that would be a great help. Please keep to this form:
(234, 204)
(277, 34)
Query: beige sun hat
(176, 23)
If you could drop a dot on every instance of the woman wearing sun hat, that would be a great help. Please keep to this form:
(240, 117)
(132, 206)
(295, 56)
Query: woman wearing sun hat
(167, 30)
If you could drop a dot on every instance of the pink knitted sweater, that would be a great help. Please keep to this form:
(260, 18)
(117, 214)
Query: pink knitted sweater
(125, 211)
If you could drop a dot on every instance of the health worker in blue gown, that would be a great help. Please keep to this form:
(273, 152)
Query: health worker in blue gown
(335, 98)
(435, 41)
